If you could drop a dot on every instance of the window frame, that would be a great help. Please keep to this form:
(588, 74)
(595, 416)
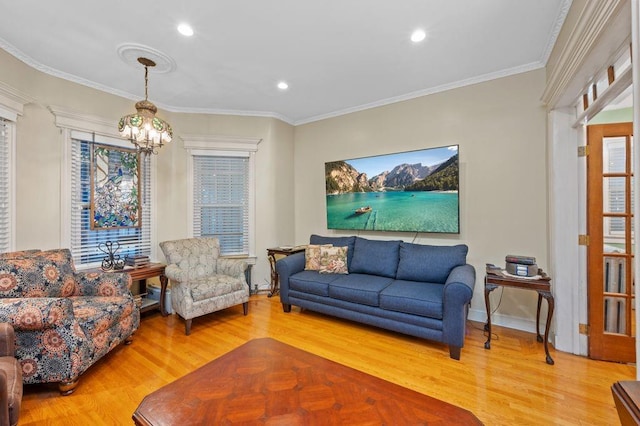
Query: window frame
(216, 146)
(78, 126)
(12, 103)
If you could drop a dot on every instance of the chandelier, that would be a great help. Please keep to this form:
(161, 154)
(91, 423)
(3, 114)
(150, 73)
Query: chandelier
(146, 131)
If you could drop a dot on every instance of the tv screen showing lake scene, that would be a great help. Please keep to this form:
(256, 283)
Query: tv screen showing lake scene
(415, 191)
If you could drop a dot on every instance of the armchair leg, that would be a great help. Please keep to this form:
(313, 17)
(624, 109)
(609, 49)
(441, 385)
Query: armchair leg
(187, 327)
(286, 307)
(245, 307)
(67, 388)
(128, 340)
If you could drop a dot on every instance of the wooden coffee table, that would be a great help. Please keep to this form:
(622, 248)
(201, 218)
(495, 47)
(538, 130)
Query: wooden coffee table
(266, 381)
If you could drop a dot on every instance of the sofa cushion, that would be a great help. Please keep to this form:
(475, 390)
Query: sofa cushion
(375, 257)
(98, 314)
(418, 298)
(337, 242)
(333, 260)
(312, 257)
(214, 286)
(426, 263)
(312, 282)
(358, 288)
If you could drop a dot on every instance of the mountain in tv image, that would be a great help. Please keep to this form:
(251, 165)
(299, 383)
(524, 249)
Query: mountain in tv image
(341, 178)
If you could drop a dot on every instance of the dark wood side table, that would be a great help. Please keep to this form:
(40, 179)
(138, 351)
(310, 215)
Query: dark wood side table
(626, 395)
(493, 280)
(140, 274)
(271, 255)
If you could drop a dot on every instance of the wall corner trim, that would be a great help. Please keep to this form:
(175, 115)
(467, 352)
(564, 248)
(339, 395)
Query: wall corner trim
(583, 38)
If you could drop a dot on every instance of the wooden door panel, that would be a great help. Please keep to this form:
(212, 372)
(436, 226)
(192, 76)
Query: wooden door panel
(610, 251)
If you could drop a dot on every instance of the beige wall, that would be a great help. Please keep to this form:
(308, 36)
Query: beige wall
(500, 126)
(39, 163)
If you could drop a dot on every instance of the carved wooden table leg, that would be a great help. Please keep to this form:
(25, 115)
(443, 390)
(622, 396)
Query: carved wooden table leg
(538, 336)
(547, 295)
(163, 290)
(488, 288)
(274, 275)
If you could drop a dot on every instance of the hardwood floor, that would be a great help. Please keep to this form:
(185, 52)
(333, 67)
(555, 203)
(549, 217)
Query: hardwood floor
(508, 385)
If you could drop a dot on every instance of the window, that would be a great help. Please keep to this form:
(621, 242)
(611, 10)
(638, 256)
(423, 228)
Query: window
(87, 245)
(221, 201)
(221, 191)
(6, 181)
(12, 104)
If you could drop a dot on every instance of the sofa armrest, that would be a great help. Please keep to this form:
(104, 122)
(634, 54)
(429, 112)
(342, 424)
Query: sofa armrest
(286, 267)
(98, 283)
(231, 267)
(457, 293)
(7, 340)
(464, 275)
(36, 313)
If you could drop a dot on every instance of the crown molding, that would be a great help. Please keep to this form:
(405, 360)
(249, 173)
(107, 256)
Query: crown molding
(12, 102)
(593, 20)
(563, 11)
(430, 91)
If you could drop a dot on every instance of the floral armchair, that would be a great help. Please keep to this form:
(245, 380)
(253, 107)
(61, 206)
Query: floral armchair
(64, 320)
(201, 281)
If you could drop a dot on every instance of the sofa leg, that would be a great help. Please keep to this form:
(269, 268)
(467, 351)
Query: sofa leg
(67, 388)
(245, 308)
(286, 307)
(454, 352)
(187, 327)
(128, 340)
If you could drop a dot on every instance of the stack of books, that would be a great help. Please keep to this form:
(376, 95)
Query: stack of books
(137, 260)
(522, 266)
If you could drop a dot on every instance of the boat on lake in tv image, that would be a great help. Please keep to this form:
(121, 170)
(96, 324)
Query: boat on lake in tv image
(414, 191)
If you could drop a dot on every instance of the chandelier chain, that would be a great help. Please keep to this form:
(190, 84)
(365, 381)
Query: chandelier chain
(146, 83)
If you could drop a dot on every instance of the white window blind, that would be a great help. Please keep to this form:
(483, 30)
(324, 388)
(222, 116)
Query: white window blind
(85, 242)
(221, 201)
(5, 186)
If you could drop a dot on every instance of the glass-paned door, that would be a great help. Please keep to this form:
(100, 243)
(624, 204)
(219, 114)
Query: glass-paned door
(610, 209)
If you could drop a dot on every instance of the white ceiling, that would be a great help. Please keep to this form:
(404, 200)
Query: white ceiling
(338, 56)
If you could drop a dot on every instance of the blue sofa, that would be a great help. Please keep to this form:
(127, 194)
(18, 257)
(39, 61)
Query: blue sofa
(415, 289)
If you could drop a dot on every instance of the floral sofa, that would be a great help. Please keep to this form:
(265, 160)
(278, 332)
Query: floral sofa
(64, 320)
(415, 289)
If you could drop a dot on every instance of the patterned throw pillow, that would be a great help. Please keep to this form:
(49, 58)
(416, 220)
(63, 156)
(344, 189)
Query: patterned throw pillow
(333, 260)
(312, 257)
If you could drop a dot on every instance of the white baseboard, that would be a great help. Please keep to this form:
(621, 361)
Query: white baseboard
(523, 324)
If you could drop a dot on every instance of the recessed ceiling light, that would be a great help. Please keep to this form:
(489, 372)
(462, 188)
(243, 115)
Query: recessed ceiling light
(283, 85)
(418, 35)
(185, 30)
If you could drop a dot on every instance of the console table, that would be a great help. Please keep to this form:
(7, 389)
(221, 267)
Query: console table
(542, 286)
(271, 255)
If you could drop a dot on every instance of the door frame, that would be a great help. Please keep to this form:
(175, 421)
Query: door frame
(566, 171)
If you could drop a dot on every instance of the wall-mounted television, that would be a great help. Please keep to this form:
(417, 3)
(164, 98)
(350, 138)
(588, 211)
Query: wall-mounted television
(414, 191)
